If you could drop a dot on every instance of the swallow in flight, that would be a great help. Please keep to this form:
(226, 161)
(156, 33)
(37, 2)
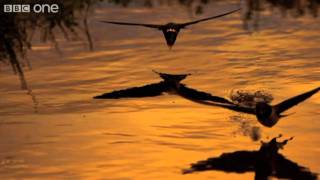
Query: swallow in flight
(268, 115)
(171, 29)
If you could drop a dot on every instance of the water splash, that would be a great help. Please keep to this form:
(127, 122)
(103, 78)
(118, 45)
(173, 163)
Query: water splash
(249, 98)
(246, 127)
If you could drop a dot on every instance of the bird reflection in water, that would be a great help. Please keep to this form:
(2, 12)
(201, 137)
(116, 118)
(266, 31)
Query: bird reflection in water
(265, 163)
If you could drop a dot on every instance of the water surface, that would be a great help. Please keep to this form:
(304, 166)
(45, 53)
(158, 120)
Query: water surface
(64, 133)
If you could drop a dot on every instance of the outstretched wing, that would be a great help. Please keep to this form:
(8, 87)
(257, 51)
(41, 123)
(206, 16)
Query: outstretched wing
(206, 19)
(207, 99)
(234, 107)
(196, 95)
(150, 90)
(287, 104)
(134, 24)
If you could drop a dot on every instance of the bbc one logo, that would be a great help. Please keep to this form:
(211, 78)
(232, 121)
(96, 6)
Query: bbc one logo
(27, 8)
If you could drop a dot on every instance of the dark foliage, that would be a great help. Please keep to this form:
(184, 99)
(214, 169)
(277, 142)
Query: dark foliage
(17, 29)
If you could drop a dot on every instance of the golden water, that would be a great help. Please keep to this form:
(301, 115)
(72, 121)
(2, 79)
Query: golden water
(72, 136)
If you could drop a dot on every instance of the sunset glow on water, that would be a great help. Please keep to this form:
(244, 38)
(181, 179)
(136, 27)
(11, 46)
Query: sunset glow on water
(66, 134)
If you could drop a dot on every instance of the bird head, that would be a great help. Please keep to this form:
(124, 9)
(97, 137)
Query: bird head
(264, 114)
(170, 32)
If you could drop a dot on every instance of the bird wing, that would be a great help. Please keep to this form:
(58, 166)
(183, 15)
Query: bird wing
(134, 24)
(236, 108)
(209, 18)
(150, 90)
(287, 104)
(194, 94)
(207, 99)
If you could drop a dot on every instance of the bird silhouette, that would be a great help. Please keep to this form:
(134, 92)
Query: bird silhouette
(266, 162)
(171, 29)
(170, 84)
(267, 115)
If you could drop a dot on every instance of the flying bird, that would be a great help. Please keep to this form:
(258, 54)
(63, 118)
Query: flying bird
(170, 84)
(268, 115)
(171, 29)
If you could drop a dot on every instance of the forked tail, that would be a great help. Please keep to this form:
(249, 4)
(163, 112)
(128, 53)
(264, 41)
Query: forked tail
(177, 78)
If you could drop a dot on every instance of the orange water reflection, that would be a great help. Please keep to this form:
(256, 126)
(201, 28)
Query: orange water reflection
(75, 137)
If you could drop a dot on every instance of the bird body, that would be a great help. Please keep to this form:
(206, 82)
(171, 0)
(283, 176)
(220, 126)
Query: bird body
(270, 115)
(170, 30)
(266, 114)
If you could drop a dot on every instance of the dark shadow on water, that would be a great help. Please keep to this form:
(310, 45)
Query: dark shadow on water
(171, 83)
(267, 162)
(256, 104)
